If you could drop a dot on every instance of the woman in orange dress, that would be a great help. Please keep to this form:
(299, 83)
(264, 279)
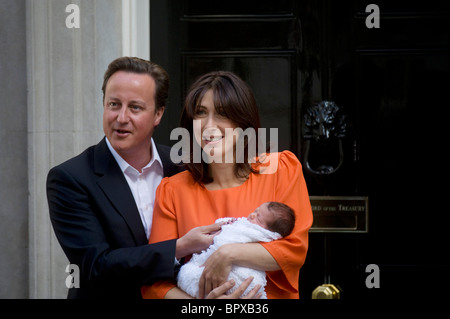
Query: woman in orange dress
(216, 187)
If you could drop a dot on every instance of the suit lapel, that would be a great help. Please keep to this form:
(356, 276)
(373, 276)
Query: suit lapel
(115, 187)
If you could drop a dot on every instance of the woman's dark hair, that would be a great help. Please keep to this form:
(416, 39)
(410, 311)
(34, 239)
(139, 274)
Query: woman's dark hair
(141, 66)
(233, 99)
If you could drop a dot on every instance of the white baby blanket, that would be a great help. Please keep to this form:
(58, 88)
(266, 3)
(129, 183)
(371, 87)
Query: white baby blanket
(241, 231)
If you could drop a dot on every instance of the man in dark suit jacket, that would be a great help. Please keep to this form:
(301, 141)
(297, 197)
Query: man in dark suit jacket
(93, 209)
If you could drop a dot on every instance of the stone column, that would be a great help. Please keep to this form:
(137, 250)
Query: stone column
(65, 68)
(13, 146)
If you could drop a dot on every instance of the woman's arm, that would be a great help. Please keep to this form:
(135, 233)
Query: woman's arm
(177, 293)
(287, 254)
(218, 265)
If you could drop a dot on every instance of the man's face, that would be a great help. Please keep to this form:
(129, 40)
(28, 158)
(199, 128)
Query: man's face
(129, 117)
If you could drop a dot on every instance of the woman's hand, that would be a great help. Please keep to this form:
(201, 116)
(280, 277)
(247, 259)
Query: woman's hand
(219, 264)
(220, 292)
(217, 269)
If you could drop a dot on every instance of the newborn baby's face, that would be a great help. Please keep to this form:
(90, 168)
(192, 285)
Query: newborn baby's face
(262, 216)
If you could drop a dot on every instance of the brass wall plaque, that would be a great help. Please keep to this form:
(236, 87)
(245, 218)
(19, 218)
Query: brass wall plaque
(337, 214)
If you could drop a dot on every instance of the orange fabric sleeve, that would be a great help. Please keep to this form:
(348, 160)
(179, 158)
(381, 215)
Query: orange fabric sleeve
(290, 252)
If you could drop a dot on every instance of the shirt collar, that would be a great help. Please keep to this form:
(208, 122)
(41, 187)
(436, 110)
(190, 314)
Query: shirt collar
(124, 165)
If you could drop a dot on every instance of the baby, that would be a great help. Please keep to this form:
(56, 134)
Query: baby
(270, 221)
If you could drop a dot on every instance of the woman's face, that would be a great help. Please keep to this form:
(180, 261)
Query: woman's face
(215, 140)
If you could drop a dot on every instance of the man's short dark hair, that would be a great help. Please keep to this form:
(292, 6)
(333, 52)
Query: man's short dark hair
(141, 66)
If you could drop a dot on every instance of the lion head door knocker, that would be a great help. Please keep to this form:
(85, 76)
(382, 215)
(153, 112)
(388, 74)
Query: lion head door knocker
(324, 128)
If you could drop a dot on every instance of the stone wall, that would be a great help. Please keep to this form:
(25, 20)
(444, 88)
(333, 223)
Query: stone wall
(65, 70)
(13, 150)
(51, 110)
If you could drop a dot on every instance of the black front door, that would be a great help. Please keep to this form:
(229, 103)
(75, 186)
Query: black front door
(258, 40)
(390, 83)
